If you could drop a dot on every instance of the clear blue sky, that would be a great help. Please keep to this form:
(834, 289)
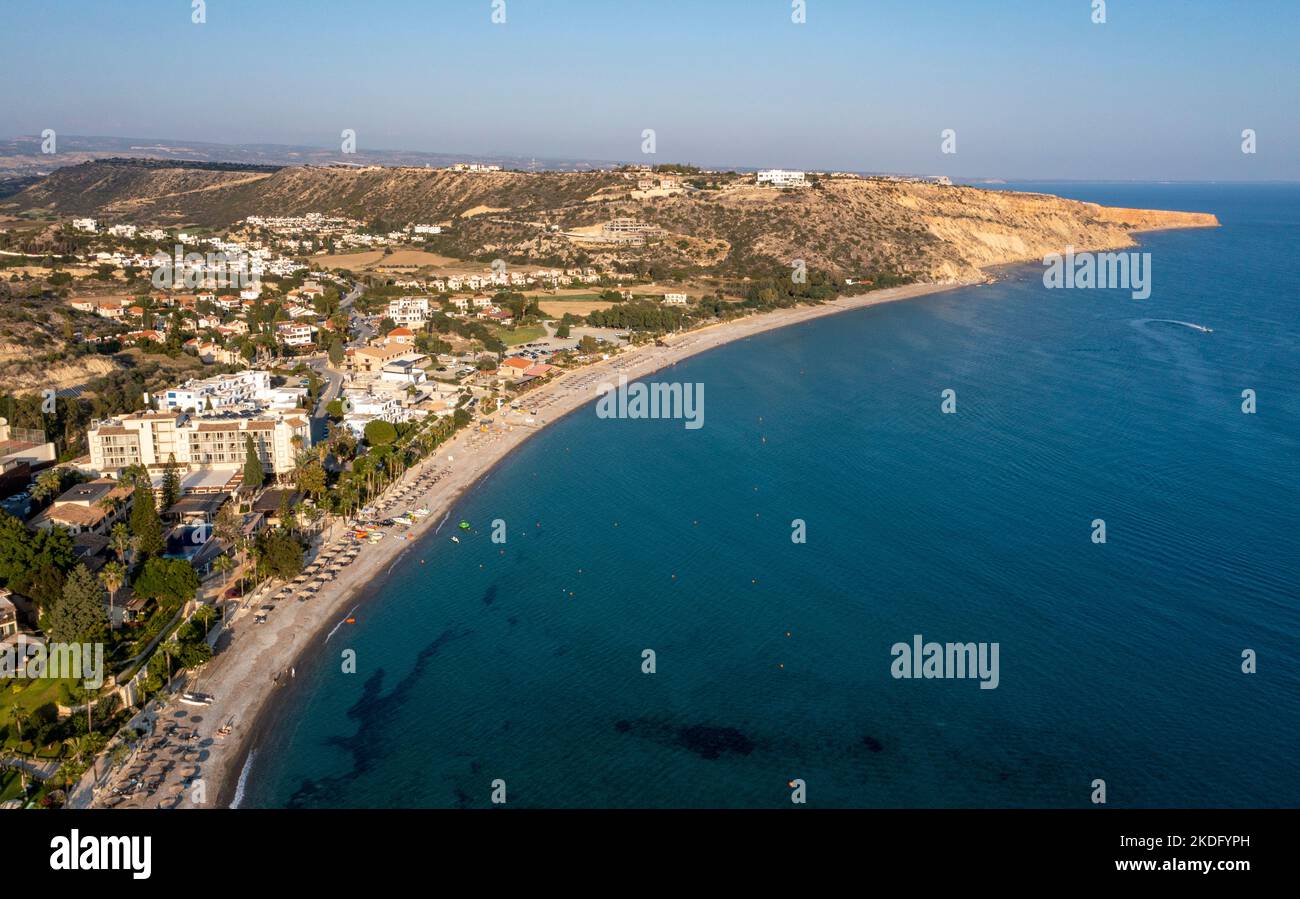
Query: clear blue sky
(1032, 87)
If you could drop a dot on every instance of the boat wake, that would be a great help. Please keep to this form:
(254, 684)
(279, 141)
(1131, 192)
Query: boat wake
(1173, 321)
(342, 622)
(441, 523)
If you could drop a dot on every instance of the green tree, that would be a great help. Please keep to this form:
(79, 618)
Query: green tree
(112, 576)
(171, 485)
(119, 540)
(311, 480)
(223, 564)
(42, 584)
(49, 484)
(22, 550)
(79, 614)
(336, 352)
(380, 432)
(279, 554)
(229, 524)
(254, 475)
(146, 526)
(167, 579)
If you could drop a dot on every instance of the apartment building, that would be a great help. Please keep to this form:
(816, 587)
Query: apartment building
(151, 439)
(295, 333)
(409, 311)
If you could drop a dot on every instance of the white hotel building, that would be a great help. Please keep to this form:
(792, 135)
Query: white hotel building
(152, 439)
(410, 312)
(782, 178)
(217, 394)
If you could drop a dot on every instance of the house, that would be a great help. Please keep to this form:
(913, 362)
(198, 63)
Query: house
(93, 508)
(8, 615)
(514, 367)
(674, 299)
(409, 311)
(371, 359)
(110, 309)
(404, 371)
(401, 336)
(540, 370)
(294, 333)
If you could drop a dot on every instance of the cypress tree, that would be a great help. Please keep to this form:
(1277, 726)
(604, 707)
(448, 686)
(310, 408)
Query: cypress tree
(253, 473)
(146, 526)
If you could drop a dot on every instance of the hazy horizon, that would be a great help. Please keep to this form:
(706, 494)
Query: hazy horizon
(176, 143)
(1032, 91)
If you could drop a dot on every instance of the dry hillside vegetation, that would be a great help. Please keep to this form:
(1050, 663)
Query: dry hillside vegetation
(849, 227)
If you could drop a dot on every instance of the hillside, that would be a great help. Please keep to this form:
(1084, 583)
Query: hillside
(850, 227)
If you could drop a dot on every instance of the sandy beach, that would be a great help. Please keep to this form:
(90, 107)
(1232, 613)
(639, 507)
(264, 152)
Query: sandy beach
(255, 659)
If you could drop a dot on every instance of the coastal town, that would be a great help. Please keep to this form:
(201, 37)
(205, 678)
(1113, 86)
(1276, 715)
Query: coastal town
(426, 425)
(214, 436)
(317, 379)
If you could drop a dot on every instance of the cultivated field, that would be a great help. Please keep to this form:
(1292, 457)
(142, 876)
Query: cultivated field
(557, 308)
(372, 259)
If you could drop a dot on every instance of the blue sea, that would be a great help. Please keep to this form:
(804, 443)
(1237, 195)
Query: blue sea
(1119, 661)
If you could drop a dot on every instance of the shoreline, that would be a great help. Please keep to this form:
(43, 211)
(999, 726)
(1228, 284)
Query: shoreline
(241, 676)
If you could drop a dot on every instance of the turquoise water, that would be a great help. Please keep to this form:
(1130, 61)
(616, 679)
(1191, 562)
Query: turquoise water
(1119, 661)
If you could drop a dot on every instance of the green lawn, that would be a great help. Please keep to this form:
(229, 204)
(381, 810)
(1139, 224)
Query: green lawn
(522, 334)
(11, 785)
(29, 695)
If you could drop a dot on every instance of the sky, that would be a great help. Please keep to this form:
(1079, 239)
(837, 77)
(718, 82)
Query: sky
(1032, 89)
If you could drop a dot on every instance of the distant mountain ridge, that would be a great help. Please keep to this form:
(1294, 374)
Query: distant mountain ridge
(24, 156)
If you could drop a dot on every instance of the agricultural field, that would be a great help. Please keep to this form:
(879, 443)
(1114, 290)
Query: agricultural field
(373, 259)
(557, 308)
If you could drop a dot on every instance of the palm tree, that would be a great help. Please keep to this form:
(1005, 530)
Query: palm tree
(223, 564)
(119, 540)
(112, 576)
(49, 484)
(18, 721)
(171, 649)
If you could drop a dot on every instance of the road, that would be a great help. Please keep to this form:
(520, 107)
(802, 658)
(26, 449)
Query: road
(320, 418)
